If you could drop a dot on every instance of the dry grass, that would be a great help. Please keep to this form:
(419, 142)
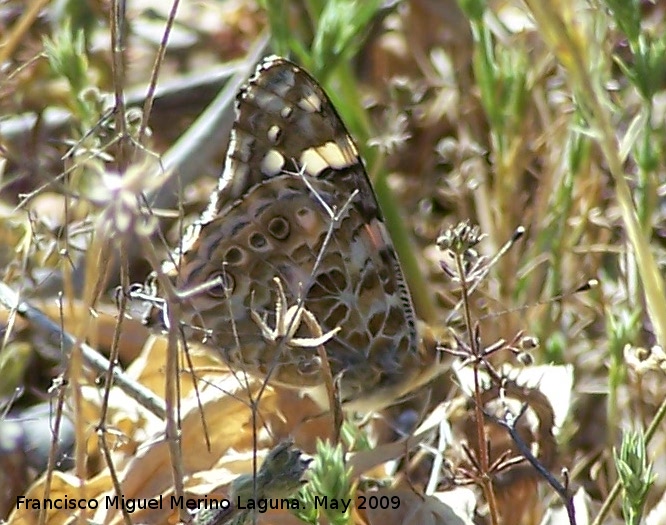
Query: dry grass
(548, 115)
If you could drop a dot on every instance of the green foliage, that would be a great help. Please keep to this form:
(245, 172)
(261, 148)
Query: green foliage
(329, 478)
(621, 329)
(335, 35)
(501, 74)
(340, 31)
(67, 56)
(647, 68)
(636, 475)
(473, 10)
(14, 360)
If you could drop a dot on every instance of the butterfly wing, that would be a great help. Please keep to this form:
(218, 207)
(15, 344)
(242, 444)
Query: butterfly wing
(295, 202)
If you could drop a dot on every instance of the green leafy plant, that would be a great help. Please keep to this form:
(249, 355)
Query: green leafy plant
(636, 475)
(330, 491)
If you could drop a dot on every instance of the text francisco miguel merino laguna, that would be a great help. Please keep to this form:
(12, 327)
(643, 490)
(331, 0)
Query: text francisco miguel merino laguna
(132, 504)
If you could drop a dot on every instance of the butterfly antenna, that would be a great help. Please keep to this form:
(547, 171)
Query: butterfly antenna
(585, 287)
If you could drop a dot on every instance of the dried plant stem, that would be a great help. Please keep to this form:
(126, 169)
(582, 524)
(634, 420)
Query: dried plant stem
(98, 363)
(152, 86)
(108, 383)
(101, 433)
(171, 387)
(9, 44)
(485, 480)
(57, 420)
(118, 26)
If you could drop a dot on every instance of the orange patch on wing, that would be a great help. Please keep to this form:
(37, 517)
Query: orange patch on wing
(377, 233)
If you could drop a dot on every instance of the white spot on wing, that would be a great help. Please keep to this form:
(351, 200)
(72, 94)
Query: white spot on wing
(286, 112)
(274, 133)
(310, 103)
(272, 163)
(334, 156)
(313, 163)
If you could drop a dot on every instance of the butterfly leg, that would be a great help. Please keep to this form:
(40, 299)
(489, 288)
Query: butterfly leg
(288, 322)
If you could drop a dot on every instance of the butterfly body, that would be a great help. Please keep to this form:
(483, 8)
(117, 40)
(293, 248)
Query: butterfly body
(295, 204)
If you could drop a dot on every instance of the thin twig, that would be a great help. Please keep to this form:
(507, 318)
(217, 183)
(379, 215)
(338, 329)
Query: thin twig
(486, 481)
(118, 38)
(99, 364)
(509, 422)
(53, 451)
(152, 85)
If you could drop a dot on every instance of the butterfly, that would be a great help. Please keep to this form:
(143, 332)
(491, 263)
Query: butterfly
(293, 253)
